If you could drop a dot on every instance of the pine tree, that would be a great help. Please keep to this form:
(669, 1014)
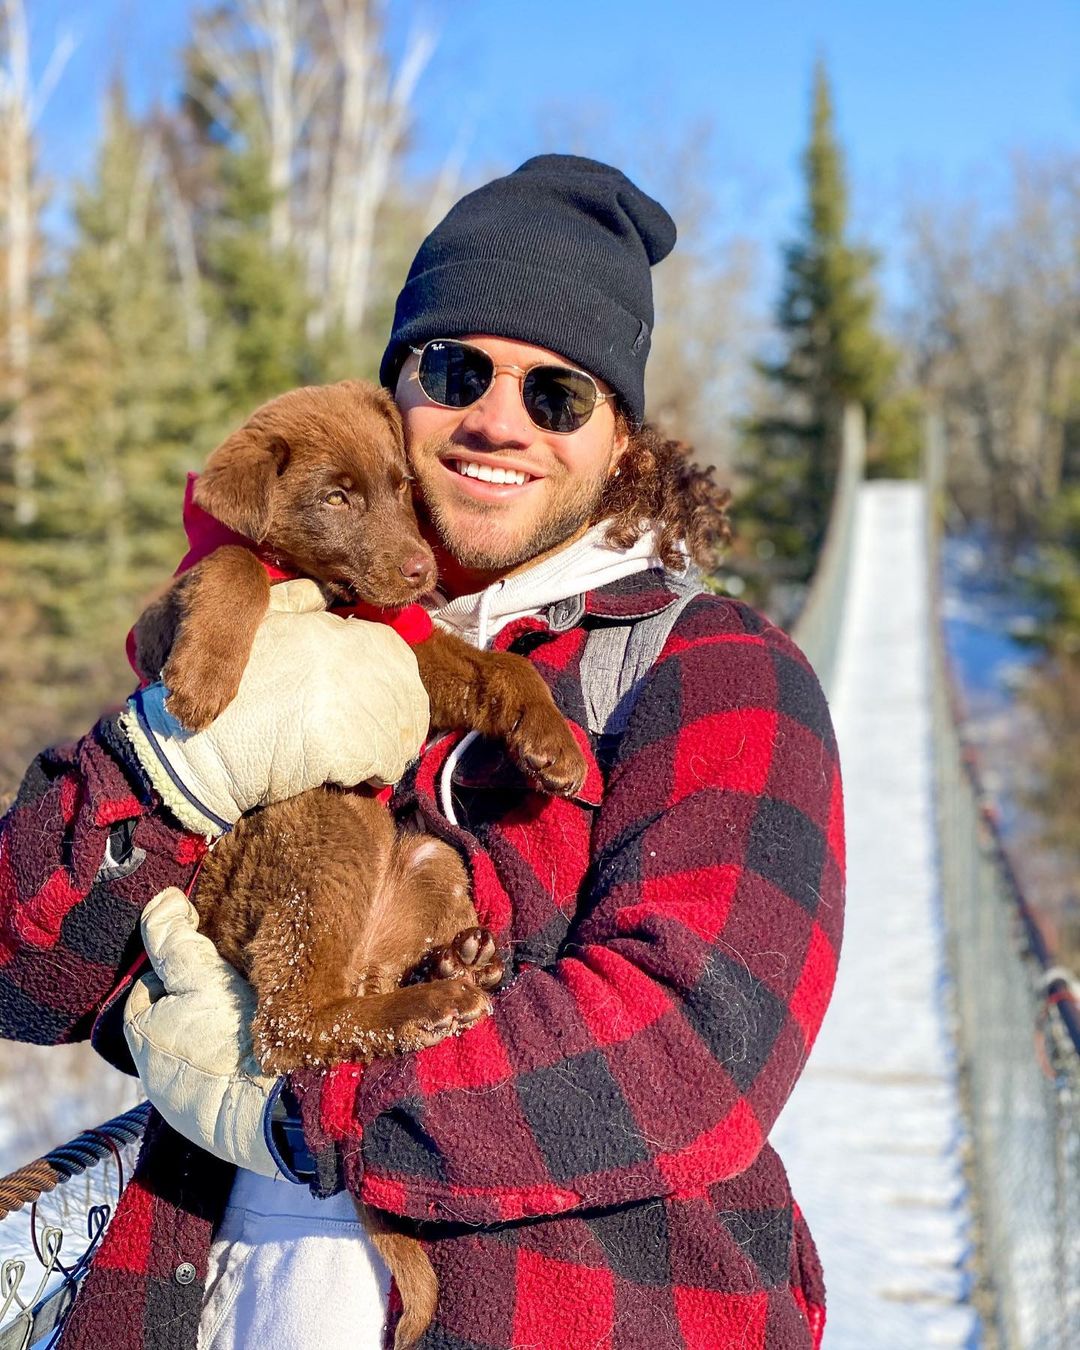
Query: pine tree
(126, 411)
(257, 298)
(831, 355)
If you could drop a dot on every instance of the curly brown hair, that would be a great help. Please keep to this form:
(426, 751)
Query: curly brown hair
(658, 486)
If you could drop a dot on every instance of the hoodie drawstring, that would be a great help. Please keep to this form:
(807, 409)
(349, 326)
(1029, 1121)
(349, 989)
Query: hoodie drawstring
(483, 621)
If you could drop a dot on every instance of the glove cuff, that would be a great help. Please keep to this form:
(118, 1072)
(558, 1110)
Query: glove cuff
(156, 737)
(319, 1099)
(283, 1130)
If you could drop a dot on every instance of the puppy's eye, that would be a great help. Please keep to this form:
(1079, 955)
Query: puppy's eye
(336, 498)
(404, 486)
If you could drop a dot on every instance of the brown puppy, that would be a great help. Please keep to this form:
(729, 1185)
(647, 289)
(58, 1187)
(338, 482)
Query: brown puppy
(336, 919)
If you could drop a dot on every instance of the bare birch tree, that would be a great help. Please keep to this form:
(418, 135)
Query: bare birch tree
(21, 105)
(369, 109)
(996, 330)
(309, 84)
(700, 378)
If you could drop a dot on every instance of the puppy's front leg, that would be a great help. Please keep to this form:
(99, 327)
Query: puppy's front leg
(501, 695)
(291, 1033)
(198, 635)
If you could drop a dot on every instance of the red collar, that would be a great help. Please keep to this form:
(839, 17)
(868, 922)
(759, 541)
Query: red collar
(205, 533)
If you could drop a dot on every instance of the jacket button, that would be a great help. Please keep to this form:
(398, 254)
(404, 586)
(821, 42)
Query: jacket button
(184, 1273)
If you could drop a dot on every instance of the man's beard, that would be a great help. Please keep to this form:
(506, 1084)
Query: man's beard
(465, 541)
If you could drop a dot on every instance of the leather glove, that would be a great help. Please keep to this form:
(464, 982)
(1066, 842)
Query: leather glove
(322, 700)
(188, 1027)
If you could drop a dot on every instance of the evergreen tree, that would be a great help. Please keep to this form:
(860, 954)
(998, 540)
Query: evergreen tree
(126, 411)
(1055, 578)
(257, 299)
(831, 355)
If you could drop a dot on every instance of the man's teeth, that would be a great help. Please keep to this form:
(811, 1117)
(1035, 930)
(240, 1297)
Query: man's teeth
(490, 475)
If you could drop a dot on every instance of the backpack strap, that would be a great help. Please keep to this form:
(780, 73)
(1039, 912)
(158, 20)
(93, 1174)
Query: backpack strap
(617, 657)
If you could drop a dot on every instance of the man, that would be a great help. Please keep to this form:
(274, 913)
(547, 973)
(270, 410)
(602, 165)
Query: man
(588, 1166)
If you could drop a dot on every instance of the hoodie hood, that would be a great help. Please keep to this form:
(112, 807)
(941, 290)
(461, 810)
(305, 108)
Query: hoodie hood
(582, 566)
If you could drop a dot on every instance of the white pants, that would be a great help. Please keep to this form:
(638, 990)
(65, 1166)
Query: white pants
(289, 1272)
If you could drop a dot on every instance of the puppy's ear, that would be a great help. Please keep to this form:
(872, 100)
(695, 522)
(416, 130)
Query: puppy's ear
(382, 401)
(237, 485)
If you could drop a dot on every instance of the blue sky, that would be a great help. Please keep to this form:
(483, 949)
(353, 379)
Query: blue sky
(929, 96)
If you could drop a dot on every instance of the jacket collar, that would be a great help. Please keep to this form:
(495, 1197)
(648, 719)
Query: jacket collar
(628, 598)
(632, 597)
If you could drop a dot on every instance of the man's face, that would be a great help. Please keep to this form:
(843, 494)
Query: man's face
(491, 528)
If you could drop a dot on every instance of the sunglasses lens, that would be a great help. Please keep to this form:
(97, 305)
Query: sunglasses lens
(454, 374)
(558, 399)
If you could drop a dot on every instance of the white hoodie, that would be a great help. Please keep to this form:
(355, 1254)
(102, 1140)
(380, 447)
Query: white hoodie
(584, 565)
(287, 1269)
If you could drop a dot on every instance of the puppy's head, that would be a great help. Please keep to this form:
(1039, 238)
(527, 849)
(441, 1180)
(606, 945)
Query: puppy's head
(319, 478)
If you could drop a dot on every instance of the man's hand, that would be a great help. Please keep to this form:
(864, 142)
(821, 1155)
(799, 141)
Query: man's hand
(322, 700)
(188, 1027)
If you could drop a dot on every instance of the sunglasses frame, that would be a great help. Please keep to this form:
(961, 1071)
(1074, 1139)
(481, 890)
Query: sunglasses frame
(520, 372)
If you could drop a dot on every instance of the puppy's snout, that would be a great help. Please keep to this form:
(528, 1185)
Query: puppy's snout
(418, 569)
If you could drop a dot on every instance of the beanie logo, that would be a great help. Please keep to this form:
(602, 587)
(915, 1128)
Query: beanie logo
(641, 339)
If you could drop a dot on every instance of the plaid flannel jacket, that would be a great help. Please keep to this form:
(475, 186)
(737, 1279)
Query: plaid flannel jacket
(588, 1166)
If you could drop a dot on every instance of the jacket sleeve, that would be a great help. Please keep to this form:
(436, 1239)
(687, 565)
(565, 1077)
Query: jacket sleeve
(83, 847)
(653, 1057)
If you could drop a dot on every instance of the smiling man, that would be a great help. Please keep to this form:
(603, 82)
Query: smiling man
(589, 1165)
(499, 491)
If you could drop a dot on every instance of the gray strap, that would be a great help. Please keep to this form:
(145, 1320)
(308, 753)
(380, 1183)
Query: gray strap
(617, 657)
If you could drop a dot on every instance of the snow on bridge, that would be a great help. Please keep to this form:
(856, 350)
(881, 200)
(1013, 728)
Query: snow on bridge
(873, 1133)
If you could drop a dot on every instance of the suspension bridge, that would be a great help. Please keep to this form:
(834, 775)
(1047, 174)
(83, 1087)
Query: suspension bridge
(934, 1137)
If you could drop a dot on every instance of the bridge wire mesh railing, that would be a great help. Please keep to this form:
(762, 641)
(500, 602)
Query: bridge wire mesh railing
(55, 1211)
(1018, 1031)
(816, 629)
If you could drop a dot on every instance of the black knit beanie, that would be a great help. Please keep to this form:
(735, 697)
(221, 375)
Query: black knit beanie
(557, 253)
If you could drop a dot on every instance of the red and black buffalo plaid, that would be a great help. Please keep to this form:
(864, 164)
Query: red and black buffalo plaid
(588, 1167)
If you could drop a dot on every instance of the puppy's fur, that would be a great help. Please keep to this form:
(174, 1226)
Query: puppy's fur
(359, 942)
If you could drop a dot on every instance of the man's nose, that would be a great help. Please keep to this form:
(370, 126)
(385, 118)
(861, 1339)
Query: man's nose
(499, 418)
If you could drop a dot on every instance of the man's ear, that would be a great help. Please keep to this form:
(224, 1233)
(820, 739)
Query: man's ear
(619, 445)
(237, 485)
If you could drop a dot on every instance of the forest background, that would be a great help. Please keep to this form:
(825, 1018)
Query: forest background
(204, 204)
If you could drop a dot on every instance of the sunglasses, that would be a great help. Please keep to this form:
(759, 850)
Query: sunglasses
(456, 375)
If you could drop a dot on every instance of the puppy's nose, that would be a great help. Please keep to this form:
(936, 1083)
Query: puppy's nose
(416, 567)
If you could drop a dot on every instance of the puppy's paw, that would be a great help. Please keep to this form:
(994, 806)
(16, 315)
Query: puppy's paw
(472, 955)
(544, 747)
(445, 1008)
(201, 685)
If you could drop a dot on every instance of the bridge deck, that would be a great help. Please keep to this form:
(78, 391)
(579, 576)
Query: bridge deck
(872, 1134)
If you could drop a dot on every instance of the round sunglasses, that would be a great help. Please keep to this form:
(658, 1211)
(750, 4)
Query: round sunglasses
(456, 375)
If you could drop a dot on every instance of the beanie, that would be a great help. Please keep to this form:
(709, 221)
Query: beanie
(556, 253)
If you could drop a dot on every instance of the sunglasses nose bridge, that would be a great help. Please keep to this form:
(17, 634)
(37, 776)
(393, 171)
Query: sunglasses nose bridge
(499, 414)
(504, 367)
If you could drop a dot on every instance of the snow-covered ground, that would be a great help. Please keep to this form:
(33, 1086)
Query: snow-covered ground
(986, 616)
(986, 612)
(872, 1134)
